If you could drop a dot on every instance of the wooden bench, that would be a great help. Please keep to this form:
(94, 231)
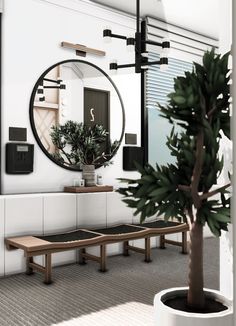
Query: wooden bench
(83, 238)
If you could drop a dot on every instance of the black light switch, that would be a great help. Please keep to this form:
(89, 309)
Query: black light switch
(17, 134)
(131, 139)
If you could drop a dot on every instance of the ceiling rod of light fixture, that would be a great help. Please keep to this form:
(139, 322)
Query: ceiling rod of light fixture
(137, 16)
(139, 42)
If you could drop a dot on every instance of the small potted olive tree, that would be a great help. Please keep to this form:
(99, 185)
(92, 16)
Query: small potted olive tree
(82, 147)
(187, 190)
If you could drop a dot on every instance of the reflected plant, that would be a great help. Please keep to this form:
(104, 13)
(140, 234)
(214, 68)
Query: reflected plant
(77, 144)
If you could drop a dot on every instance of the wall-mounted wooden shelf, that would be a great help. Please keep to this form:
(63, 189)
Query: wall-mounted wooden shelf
(89, 189)
(82, 50)
(46, 105)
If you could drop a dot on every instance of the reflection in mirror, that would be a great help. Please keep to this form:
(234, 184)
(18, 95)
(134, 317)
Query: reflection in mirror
(77, 114)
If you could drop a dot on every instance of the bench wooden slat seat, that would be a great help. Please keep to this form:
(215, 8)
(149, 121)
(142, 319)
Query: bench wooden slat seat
(83, 238)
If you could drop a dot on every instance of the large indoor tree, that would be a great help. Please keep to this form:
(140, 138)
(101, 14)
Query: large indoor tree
(187, 190)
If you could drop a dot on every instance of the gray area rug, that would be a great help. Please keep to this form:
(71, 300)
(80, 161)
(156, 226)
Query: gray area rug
(80, 295)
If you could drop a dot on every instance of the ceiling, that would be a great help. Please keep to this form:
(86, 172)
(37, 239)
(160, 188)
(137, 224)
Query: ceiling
(200, 16)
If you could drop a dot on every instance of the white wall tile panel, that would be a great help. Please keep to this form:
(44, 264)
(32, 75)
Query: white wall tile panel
(2, 246)
(117, 213)
(59, 211)
(23, 216)
(92, 213)
(91, 210)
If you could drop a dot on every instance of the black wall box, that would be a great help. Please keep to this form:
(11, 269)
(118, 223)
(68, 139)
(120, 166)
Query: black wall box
(17, 134)
(19, 158)
(130, 155)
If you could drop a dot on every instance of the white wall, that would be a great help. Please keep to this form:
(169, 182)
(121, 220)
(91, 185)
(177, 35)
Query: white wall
(32, 33)
(226, 242)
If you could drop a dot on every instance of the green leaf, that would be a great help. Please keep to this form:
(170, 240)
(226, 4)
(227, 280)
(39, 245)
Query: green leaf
(148, 178)
(159, 191)
(221, 217)
(141, 203)
(130, 202)
(168, 213)
(212, 227)
(179, 99)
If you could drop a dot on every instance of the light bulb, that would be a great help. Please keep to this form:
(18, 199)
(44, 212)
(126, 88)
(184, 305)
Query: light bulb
(163, 62)
(163, 67)
(144, 54)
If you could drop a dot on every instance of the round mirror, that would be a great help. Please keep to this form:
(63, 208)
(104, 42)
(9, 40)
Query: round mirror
(77, 115)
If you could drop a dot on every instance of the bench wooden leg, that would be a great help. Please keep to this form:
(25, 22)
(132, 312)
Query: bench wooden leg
(147, 250)
(162, 242)
(29, 269)
(125, 248)
(103, 258)
(48, 269)
(82, 259)
(184, 243)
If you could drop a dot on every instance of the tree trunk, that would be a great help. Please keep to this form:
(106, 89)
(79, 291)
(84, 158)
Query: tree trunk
(196, 299)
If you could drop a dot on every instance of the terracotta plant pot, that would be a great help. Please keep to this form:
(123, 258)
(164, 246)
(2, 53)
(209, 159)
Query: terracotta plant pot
(166, 316)
(88, 174)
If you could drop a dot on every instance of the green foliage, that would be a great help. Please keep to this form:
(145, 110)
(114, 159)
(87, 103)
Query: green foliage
(77, 144)
(200, 105)
(202, 94)
(156, 192)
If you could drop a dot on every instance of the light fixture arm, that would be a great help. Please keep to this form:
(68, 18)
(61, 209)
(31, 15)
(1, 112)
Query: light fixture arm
(59, 82)
(139, 43)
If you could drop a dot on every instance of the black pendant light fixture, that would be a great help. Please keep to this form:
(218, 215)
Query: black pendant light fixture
(139, 42)
(58, 83)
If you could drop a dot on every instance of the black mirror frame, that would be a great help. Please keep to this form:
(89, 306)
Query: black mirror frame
(32, 115)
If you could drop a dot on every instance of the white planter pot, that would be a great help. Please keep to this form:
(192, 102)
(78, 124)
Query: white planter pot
(166, 316)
